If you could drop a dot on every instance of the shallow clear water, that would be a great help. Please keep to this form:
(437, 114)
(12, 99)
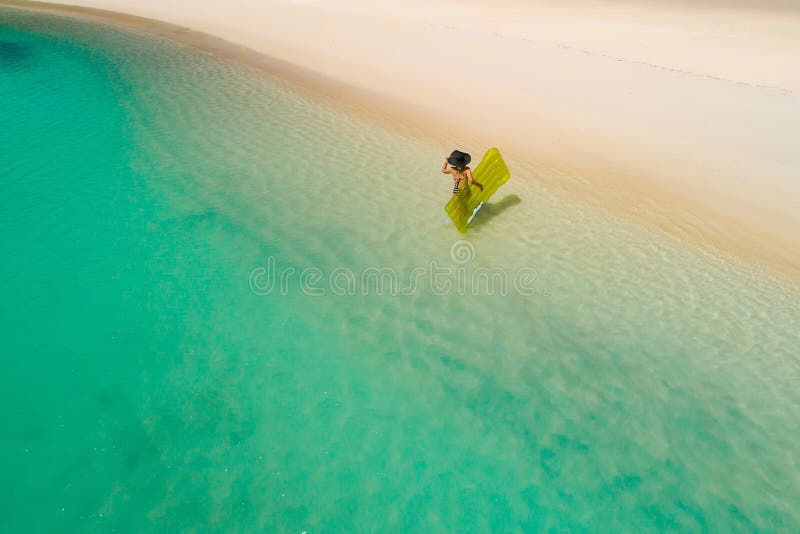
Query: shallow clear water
(150, 192)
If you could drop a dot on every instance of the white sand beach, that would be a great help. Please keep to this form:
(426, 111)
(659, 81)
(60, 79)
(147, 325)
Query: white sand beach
(684, 115)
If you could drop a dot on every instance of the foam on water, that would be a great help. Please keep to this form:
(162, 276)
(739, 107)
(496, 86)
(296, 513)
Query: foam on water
(149, 383)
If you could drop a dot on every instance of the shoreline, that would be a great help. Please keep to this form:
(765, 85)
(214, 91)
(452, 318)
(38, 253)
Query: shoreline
(605, 183)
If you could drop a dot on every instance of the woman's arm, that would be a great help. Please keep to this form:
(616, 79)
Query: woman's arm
(445, 170)
(472, 180)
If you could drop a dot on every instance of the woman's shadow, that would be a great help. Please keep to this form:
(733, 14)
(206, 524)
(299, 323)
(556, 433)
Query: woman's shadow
(490, 210)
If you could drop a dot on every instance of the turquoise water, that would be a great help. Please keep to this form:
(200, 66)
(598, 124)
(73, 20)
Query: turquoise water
(151, 381)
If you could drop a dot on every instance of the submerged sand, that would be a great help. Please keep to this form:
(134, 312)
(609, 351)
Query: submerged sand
(683, 116)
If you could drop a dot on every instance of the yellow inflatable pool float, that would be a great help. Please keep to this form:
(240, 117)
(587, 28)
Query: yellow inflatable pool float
(491, 173)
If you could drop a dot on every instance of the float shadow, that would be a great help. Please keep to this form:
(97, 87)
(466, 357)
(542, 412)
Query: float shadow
(493, 209)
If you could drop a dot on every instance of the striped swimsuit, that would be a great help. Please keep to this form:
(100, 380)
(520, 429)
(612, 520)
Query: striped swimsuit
(456, 181)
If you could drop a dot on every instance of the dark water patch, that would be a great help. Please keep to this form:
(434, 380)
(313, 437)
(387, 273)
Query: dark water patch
(14, 54)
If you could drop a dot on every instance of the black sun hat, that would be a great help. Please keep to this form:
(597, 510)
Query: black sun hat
(459, 159)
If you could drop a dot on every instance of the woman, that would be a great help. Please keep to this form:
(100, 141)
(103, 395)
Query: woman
(462, 175)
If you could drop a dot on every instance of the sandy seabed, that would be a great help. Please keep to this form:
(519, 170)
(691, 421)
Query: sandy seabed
(681, 116)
